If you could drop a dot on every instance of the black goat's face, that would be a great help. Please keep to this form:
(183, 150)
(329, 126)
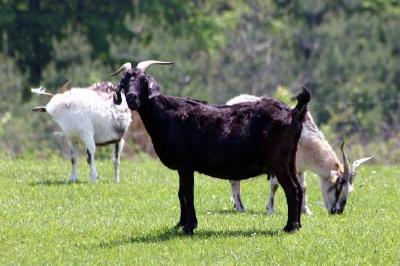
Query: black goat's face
(138, 88)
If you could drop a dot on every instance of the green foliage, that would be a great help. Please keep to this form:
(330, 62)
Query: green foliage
(46, 220)
(346, 52)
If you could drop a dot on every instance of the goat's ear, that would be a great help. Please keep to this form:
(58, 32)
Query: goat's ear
(117, 97)
(334, 175)
(64, 87)
(154, 89)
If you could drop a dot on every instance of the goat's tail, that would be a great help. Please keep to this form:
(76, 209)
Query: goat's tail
(39, 109)
(41, 91)
(300, 110)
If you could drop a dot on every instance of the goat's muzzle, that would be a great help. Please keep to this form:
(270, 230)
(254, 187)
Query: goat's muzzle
(133, 101)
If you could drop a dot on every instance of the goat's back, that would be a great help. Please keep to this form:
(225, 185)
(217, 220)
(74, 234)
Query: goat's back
(86, 111)
(239, 141)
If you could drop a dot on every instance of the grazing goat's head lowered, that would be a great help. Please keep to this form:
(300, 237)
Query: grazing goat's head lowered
(336, 193)
(137, 86)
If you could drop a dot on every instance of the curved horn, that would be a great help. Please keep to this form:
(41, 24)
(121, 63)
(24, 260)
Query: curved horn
(64, 87)
(145, 64)
(346, 163)
(358, 163)
(125, 67)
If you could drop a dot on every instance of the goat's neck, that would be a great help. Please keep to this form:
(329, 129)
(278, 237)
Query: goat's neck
(152, 114)
(316, 154)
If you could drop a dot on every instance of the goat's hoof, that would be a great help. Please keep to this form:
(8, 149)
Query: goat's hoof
(239, 208)
(270, 211)
(188, 230)
(179, 225)
(306, 211)
(292, 227)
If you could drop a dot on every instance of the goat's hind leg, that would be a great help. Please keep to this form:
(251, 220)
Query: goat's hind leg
(91, 149)
(74, 162)
(304, 206)
(293, 194)
(117, 157)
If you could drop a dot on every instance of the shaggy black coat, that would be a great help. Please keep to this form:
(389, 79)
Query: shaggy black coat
(229, 142)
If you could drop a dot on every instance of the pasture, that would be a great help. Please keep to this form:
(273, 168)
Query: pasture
(44, 219)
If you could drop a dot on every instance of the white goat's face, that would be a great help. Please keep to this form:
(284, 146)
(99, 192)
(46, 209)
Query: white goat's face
(337, 188)
(336, 194)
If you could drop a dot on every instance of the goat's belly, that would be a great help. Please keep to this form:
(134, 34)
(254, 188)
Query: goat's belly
(228, 169)
(107, 138)
(232, 173)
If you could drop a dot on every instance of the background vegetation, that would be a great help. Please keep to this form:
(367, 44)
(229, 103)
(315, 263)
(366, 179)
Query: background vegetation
(346, 51)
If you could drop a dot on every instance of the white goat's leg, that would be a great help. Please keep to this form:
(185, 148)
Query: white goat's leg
(273, 186)
(237, 201)
(304, 207)
(117, 156)
(91, 150)
(74, 162)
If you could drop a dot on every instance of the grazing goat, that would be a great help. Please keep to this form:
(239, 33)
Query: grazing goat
(316, 154)
(89, 115)
(240, 141)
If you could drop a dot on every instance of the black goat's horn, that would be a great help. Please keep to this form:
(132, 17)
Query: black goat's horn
(145, 64)
(125, 67)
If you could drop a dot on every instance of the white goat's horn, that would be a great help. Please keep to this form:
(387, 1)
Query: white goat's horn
(359, 162)
(346, 163)
(145, 64)
(125, 67)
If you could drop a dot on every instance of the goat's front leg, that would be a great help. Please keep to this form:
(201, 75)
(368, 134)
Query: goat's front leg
(304, 206)
(181, 195)
(293, 195)
(237, 201)
(274, 185)
(186, 182)
(74, 162)
(117, 157)
(91, 149)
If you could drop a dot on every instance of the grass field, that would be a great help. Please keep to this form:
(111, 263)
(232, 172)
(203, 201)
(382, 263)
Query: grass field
(46, 220)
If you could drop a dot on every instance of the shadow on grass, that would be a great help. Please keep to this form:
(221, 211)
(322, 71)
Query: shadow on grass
(51, 182)
(235, 212)
(176, 233)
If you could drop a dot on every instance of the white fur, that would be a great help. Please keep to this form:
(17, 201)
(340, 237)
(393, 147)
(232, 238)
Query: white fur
(314, 153)
(89, 115)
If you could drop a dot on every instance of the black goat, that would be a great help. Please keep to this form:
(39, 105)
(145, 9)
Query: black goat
(228, 142)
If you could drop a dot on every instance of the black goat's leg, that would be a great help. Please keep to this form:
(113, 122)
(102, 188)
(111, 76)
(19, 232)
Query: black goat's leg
(295, 180)
(292, 198)
(181, 196)
(186, 179)
(299, 196)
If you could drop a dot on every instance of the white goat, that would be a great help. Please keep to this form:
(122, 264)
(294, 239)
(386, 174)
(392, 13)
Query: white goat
(316, 154)
(89, 115)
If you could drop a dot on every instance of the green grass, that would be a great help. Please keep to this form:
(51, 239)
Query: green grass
(46, 220)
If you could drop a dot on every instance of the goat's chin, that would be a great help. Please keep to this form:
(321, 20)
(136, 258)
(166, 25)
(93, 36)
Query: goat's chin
(133, 105)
